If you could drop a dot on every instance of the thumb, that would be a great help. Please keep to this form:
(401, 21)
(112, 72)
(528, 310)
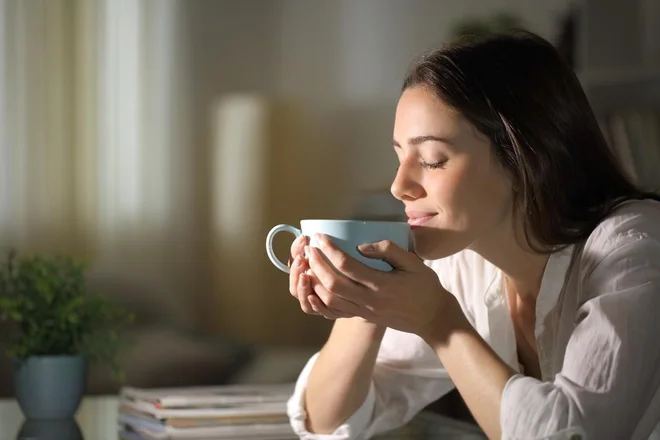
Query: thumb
(391, 253)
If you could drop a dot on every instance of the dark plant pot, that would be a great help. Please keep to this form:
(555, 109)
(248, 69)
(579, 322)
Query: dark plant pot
(50, 387)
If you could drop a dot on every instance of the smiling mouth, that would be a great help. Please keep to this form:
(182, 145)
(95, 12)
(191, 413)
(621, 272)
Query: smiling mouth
(416, 222)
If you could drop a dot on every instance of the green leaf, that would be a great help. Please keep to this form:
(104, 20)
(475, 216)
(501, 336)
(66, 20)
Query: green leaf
(51, 311)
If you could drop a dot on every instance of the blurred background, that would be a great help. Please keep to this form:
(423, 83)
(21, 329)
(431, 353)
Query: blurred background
(159, 140)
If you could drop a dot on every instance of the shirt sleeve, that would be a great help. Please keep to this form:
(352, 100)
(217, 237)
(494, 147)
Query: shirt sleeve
(395, 396)
(350, 429)
(608, 385)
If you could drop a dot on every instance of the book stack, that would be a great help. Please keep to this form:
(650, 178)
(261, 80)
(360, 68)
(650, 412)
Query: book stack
(233, 411)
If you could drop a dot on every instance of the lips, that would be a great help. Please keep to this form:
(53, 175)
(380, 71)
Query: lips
(417, 219)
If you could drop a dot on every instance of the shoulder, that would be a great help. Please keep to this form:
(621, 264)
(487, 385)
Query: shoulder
(630, 221)
(624, 249)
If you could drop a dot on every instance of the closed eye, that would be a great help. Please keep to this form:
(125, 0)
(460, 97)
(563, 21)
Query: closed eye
(434, 165)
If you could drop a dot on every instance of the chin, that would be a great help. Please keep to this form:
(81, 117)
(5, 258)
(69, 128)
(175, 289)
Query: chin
(434, 244)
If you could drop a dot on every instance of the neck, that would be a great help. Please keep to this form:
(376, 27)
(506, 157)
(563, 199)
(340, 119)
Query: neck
(522, 267)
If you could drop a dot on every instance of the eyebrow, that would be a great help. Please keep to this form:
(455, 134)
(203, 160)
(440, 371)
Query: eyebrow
(421, 139)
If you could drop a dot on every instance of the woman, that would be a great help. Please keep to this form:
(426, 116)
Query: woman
(539, 293)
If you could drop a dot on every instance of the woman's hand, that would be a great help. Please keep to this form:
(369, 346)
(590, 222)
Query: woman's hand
(409, 298)
(299, 283)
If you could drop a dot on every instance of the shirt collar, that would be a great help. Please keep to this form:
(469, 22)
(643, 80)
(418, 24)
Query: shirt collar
(552, 283)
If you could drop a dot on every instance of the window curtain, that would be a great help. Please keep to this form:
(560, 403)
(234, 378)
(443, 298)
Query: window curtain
(94, 141)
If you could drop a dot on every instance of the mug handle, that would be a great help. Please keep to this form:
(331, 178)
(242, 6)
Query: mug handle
(269, 245)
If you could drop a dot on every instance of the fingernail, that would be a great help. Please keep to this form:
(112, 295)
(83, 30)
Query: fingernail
(298, 262)
(366, 247)
(307, 252)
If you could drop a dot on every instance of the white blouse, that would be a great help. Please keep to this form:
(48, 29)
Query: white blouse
(597, 332)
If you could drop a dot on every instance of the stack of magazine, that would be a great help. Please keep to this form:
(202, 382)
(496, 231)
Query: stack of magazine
(233, 411)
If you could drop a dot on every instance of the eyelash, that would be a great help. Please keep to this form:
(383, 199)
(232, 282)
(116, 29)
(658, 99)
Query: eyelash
(434, 165)
(431, 166)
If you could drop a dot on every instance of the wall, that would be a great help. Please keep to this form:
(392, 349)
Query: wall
(336, 66)
(345, 61)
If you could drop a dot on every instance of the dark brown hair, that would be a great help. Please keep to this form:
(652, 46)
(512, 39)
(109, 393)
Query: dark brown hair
(517, 90)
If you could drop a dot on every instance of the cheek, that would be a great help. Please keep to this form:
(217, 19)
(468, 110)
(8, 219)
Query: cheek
(470, 201)
(470, 193)
(453, 190)
(491, 194)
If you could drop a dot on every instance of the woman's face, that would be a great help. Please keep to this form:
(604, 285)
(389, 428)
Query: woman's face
(456, 195)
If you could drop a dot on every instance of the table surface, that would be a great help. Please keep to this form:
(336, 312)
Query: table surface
(97, 420)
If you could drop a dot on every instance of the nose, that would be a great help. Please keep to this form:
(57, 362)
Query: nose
(406, 185)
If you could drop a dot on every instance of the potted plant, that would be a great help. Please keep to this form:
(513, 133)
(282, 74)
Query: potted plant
(55, 327)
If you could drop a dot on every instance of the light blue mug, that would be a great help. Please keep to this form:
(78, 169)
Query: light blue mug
(347, 235)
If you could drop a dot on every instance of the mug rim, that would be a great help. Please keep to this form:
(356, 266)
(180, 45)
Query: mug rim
(391, 222)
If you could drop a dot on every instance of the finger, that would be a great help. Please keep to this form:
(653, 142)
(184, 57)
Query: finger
(392, 254)
(297, 247)
(344, 263)
(337, 285)
(306, 306)
(298, 267)
(304, 287)
(321, 309)
(338, 306)
(304, 291)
